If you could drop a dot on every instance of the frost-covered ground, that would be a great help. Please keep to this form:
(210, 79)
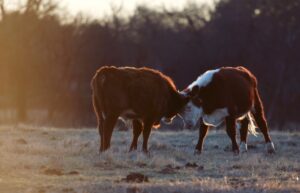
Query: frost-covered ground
(42, 160)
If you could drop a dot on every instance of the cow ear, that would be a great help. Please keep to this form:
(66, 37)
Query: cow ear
(184, 93)
(194, 91)
(190, 93)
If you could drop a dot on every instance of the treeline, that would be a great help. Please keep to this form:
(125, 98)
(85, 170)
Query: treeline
(46, 63)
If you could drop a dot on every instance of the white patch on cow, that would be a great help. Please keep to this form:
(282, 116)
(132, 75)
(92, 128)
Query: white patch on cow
(216, 118)
(191, 114)
(270, 147)
(204, 79)
(243, 147)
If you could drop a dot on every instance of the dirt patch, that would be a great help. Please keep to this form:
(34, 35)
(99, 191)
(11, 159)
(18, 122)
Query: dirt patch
(53, 138)
(133, 190)
(141, 165)
(288, 169)
(169, 169)
(27, 167)
(68, 190)
(53, 172)
(236, 183)
(21, 141)
(73, 173)
(191, 165)
(45, 133)
(237, 167)
(42, 191)
(136, 177)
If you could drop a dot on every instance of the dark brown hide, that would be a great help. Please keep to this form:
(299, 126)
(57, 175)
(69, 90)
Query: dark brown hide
(141, 94)
(234, 88)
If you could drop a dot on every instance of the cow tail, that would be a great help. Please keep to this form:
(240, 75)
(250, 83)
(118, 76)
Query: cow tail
(257, 112)
(257, 103)
(251, 126)
(258, 106)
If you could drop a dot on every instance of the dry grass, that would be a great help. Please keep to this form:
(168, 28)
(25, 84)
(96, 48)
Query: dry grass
(42, 160)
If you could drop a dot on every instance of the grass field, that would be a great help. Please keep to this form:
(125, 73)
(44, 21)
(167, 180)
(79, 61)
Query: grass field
(42, 160)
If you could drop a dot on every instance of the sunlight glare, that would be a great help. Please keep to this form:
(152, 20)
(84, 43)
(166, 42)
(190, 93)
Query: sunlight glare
(99, 8)
(102, 8)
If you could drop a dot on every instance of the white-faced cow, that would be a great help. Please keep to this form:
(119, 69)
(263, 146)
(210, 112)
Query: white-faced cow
(142, 95)
(227, 94)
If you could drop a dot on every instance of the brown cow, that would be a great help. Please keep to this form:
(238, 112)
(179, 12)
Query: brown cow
(227, 94)
(142, 95)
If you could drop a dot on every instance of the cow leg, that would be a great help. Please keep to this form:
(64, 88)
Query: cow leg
(261, 122)
(108, 126)
(137, 130)
(262, 125)
(146, 134)
(243, 134)
(231, 131)
(100, 129)
(202, 134)
(100, 118)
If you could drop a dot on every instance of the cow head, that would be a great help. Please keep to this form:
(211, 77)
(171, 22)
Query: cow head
(176, 105)
(192, 111)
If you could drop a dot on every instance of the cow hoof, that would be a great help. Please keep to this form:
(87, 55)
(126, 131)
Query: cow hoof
(197, 152)
(270, 148)
(236, 152)
(243, 147)
(132, 150)
(100, 151)
(146, 153)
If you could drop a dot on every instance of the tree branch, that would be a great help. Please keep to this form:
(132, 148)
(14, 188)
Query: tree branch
(2, 9)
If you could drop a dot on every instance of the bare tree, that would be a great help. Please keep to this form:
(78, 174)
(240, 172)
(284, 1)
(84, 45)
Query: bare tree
(2, 9)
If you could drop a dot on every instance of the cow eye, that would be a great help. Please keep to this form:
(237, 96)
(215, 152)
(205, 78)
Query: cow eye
(194, 91)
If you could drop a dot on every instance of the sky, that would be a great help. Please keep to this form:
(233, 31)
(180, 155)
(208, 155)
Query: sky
(100, 8)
